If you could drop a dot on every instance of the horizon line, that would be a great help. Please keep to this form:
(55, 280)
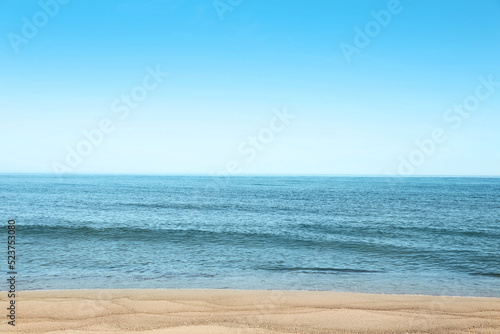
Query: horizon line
(254, 175)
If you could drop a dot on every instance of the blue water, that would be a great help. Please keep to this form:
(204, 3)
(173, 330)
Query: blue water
(438, 236)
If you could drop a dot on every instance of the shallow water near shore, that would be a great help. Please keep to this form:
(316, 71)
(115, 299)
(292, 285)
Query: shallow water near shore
(437, 236)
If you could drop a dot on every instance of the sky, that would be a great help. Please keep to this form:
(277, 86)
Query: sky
(231, 87)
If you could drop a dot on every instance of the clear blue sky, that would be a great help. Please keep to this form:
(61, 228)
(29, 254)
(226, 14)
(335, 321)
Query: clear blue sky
(227, 76)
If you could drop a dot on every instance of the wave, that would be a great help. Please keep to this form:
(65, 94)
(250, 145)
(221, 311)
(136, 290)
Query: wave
(322, 270)
(497, 275)
(418, 255)
(395, 230)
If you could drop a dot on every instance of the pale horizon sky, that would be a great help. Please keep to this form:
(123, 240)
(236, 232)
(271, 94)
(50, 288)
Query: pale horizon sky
(229, 79)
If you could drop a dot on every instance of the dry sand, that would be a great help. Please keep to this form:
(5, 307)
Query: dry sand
(246, 312)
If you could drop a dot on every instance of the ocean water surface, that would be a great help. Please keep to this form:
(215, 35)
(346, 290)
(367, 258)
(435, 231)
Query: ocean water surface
(438, 236)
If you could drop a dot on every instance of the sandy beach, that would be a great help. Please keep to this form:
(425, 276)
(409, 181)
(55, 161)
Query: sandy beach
(252, 312)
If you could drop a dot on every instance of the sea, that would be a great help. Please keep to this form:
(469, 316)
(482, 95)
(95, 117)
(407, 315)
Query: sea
(415, 235)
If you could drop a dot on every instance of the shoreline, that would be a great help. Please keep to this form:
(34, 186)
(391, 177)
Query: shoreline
(254, 290)
(173, 311)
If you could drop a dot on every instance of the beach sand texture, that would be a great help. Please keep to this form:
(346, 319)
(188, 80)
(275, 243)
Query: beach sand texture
(247, 312)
